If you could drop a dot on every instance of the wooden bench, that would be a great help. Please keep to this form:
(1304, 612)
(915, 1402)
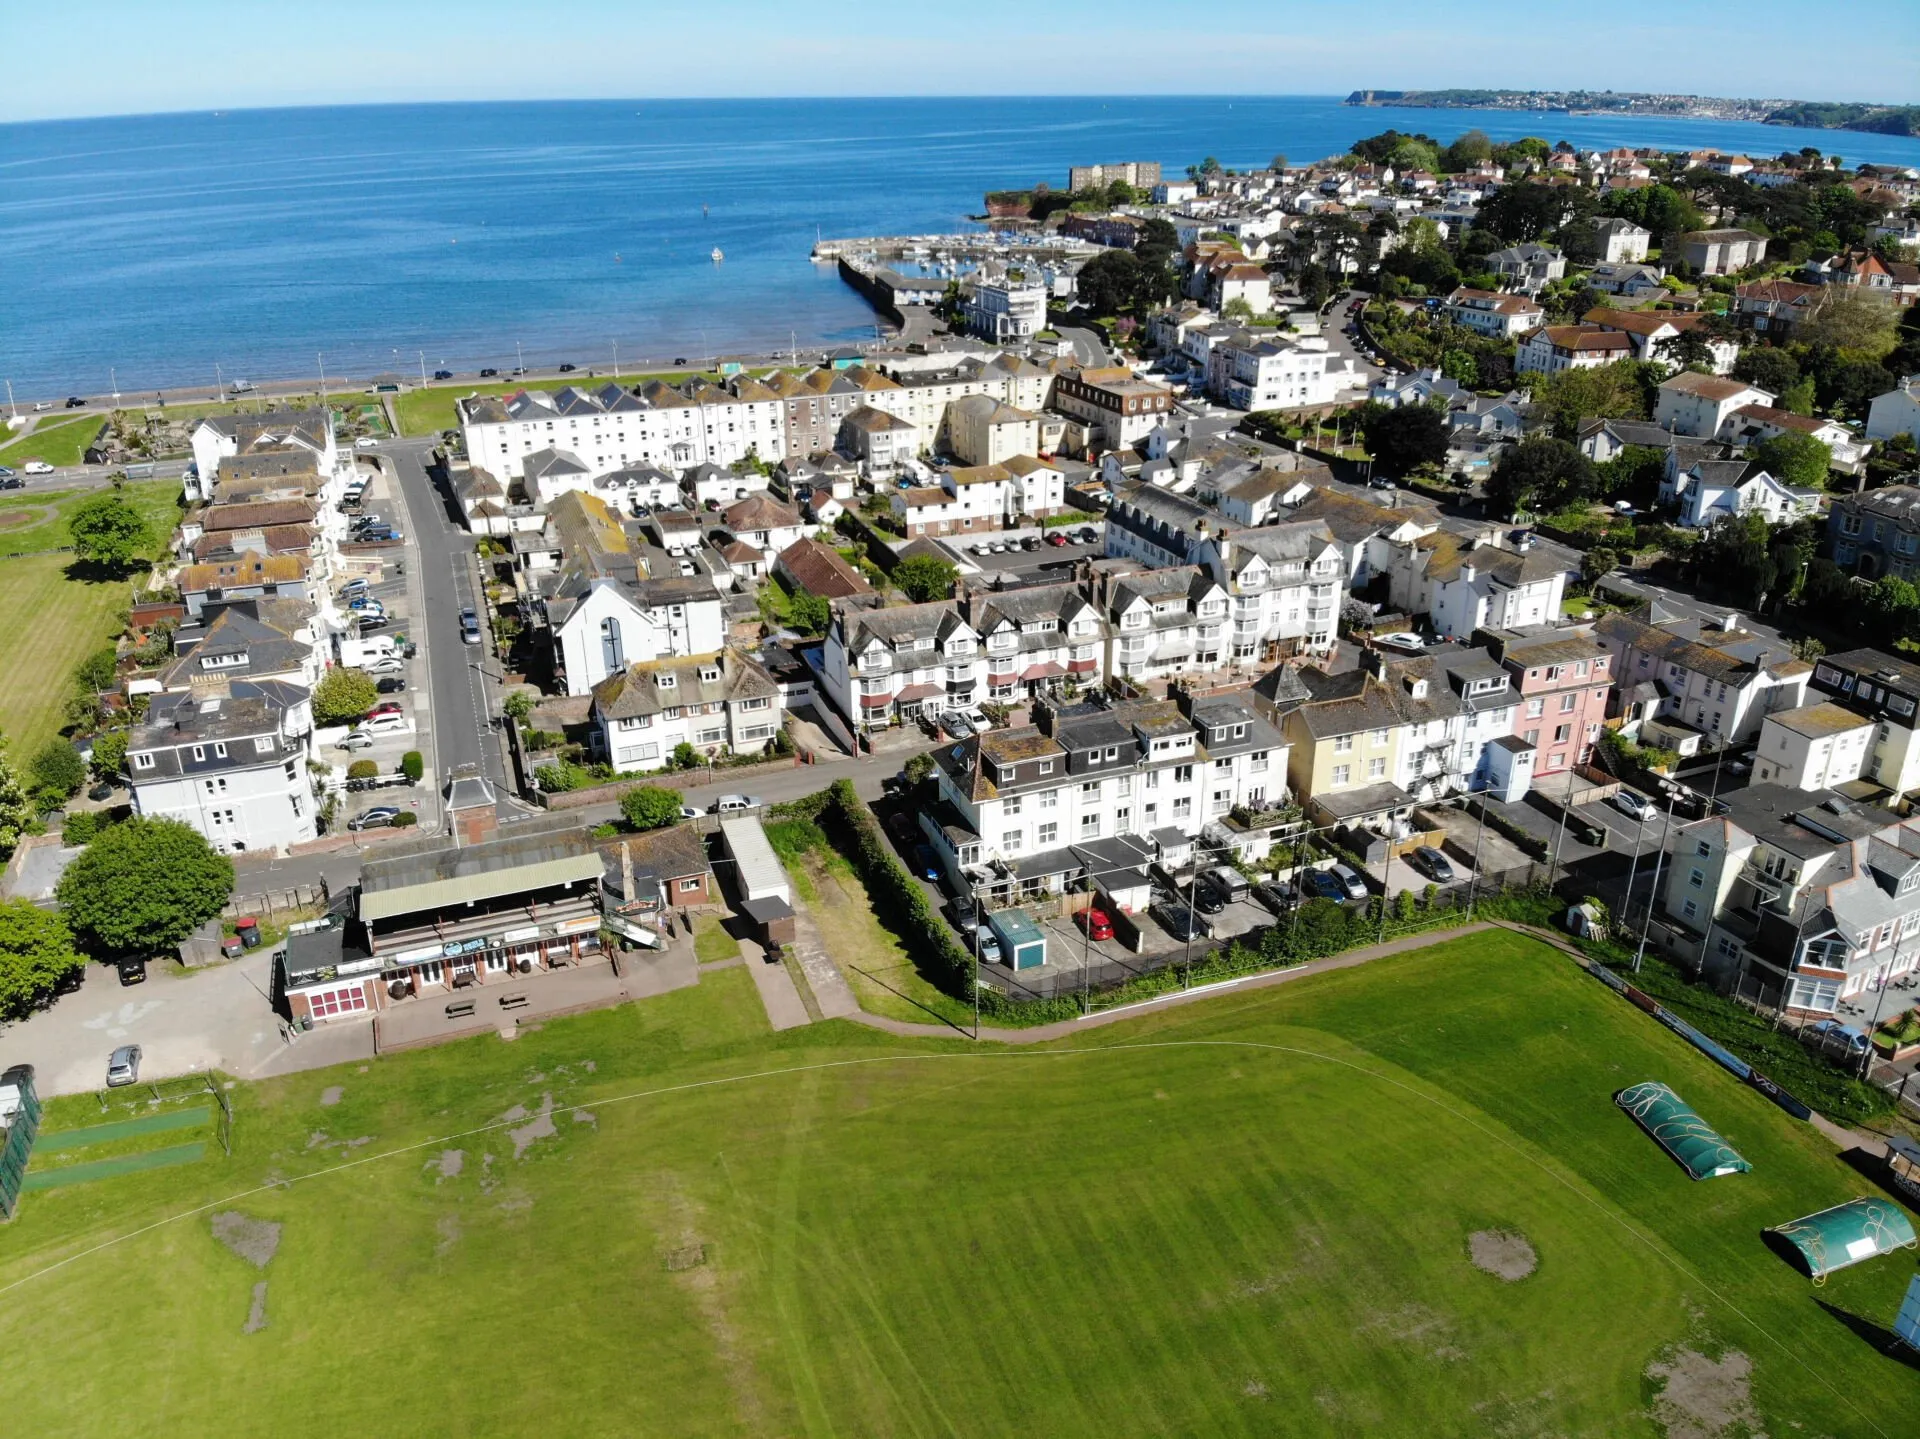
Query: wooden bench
(460, 1009)
(513, 1001)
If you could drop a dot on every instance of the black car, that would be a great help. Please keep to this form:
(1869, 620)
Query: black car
(1433, 864)
(1276, 894)
(391, 685)
(443, 374)
(568, 369)
(12, 482)
(370, 623)
(74, 402)
(966, 914)
(1180, 922)
(489, 374)
(133, 971)
(679, 361)
(1205, 898)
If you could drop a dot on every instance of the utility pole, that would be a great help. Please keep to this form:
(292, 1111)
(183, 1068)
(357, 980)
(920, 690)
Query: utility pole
(1652, 894)
(1639, 838)
(113, 378)
(519, 360)
(1479, 833)
(616, 359)
(13, 409)
(219, 381)
(321, 361)
(423, 369)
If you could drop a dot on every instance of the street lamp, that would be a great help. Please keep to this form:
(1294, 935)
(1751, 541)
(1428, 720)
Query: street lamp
(13, 408)
(321, 360)
(616, 359)
(1666, 834)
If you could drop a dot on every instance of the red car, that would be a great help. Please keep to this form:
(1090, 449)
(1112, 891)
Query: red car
(387, 707)
(1056, 539)
(1097, 923)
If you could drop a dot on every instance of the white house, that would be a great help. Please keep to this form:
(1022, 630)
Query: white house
(1897, 412)
(881, 442)
(1698, 405)
(1528, 267)
(1006, 312)
(1463, 587)
(717, 486)
(601, 626)
(229, 761)
(1712, 677)
(1251, 374)
(1553, 348)
(983, 430)
(879, 665)
(1818, 746)
(1631, 280)
(1621, 241)
(1486, 313)
(765, 523)
(1750, 424)
(302, 433)
(1707, 490)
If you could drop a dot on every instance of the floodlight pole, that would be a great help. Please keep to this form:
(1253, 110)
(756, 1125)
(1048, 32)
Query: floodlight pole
(1480, 833)
(1633, 867)
(1653, 893)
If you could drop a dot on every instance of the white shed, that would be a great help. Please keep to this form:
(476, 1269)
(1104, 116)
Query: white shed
(757, 872)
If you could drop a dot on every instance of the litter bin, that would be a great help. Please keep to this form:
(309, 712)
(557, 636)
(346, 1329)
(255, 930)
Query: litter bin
(231, 948)
(249, 931)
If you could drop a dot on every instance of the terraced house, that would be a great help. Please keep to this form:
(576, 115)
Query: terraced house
(1876, 533)
(723, 704)
(1037, 639)
(883, 665)
(1679, 680)
(1037, 806)
(1807, 901)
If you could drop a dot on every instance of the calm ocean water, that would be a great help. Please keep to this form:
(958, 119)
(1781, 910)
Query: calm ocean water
(163, 246)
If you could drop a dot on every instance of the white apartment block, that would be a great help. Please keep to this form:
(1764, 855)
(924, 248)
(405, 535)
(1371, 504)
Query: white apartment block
(231, 765)
(611, 428)
(602, 626)
(1698, 405)
(295, 433)
(1275, 374)
(883, 665)
(1006, 313)
(1818, 746)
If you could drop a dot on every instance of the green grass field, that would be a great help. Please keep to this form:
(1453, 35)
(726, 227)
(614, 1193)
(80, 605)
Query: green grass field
(1251, 1216)
(60, 442)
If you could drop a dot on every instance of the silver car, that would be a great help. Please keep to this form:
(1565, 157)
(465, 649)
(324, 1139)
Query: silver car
(123, 1066)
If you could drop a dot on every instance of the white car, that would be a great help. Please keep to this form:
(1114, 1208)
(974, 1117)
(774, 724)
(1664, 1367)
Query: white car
(1635, 806)
(37, 467)
(365, 442)
(354, 739)
(1401, 640)
(388, 723)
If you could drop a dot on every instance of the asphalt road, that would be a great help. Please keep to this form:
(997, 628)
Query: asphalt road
(459, 677)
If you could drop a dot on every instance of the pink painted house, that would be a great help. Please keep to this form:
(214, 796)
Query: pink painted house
(1563, 679)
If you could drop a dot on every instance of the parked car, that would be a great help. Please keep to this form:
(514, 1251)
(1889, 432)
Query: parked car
(37, 467)
(734, 804)
(132, 972)
(966, 913)
(924, 863)
(387, 722)
(489, 374)
(1833, 1032)
(1096, 922)
(1204, 897)
(385, 665)
(1180, 922)
(123, 1066)
(379, 534)
(1635, 806)
(1433, 864)
(1227, 882)
(11, 481)
(366, 442)
(1324, 884)
(957, 724)
(354, 739)
(1056, 539)
(1350, 881)
(469, 627)
(687, 811)
(1276, 894)
(989, 947)
(74, 402)
(353, 587)
(379, 817)
(900, 826)
(443, 374)
(1381, 482)
(568, 369)
(1088, 534)
(1030, 542)
(370, 621)
(391, 685)
(386, 707)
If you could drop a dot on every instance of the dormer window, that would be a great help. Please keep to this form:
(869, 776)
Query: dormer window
(666, 681)
(199, 752)
(143, 761)
(710, 673)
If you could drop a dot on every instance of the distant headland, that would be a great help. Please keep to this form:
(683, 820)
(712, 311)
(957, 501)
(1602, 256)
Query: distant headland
(1808, 114)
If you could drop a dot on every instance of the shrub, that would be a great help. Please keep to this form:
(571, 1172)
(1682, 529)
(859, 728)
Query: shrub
(519, 705)
(558, 776)
(109, 753)
(362, 769)
(650, 806)
(80, 828)
(405, 819)
(413, 765)
(56, 768)
(343, 695)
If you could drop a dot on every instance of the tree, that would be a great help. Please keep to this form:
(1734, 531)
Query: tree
(108, 532)
(1527, 211)
(1689, 349)
(1541, 473)
(1401, 439)
(1736, 557)
(1472, 148)
(650, 806)
(1773, 370)
(413, 765)
(36, 953)
(109, 754)
(16, 810)
(1848, 317)
(1796, 459)
(1603, 392)
(142, 887)
(1278, 162)
(924, 578)
(97, 671)
(343, 695)
(1237, 309)
(685, 756)
(518, 706)
(808, 613)
(918, 769)
(1892, 609)
(1110, 283)
(56, 769)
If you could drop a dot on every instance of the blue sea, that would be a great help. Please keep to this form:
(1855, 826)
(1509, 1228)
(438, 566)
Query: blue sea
(142, 252)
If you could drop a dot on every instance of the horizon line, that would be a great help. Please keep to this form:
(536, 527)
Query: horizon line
(225, 110)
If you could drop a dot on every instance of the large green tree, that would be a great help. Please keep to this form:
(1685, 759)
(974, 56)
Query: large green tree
(16, 809)
(56, 771)
(109, 753)
(923, 578)
(36, 953)
(651, 806)
(1114, 282)
(142, 887)
(343, 695)
(808, 613)
(109, 532)
(1540, 474)
(1604, 392)
(1773, 370)
(1796, 459)
(1405, 438)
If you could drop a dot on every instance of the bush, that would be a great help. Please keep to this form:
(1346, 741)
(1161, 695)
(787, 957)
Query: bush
(518, 705)
(650, 806)
(405, 819)
(80, 828)
(362, 769)
(109, 753)
(685, 756)
(558, 776)
(413, 765)
(56, 768)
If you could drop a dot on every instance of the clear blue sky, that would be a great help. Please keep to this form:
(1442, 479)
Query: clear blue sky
(96, 57)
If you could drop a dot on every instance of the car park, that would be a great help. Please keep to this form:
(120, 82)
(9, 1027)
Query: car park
(123, 1066)
(379, 817)
(1635, 806)
(1096, 922)
(1433, 864)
